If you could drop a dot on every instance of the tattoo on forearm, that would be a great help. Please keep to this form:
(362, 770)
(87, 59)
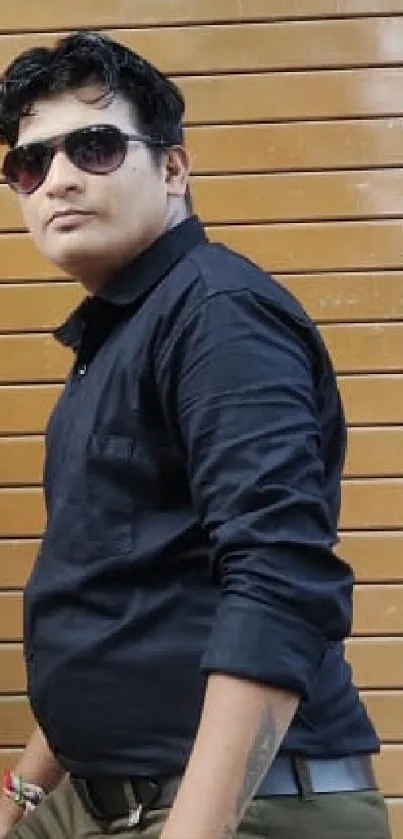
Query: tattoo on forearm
(260, 756)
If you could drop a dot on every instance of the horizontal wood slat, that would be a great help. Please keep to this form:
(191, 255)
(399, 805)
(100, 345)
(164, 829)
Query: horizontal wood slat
(348, 297)
(375, 452)
(385, 671)
(385, 708)
(16, 560)
(296, 146)
(369, 399)
(21, 460)
(16, 721)
(372, 452)
(353, 348)
(12, 669)
(250, 47)
(319, 246)
(33, 307)
(314, 94)
(309, 145)
(378, 609)
(340, 297)
(25, 409)
(375, 557)
(395, 810)
(372, 504)
(280, 248)
(286, 197)
(102, 13)
(367, 505)
(376, 662)
(157, 12)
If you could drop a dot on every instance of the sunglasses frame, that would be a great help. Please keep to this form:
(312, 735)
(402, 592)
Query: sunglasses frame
(60, 142)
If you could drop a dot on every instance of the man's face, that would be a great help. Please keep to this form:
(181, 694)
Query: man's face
(117, 215)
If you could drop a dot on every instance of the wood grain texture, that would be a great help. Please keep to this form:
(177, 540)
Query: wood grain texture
(103, 13)
(250, 46)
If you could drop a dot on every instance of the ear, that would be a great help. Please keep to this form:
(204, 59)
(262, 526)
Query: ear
(177, 171)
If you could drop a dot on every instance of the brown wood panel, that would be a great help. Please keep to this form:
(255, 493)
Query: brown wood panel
(294, 95)
(372, 504)
(22, 512)
(229, 199)
(103, 13)
(20, 260)
(16, 721)
(385, 708)
(368, 399)
(395, 809)
(365, 348)
(21, 460)
(372, 398)
(340, 297)
(10, 616)
(296, 146)
(378, 609)
(30, 358)
(246, 199)
(376, 662)
(37, 306)
(367, 505)
(358, 296)
(12, 669)
(16, 560)
(373, 556)
(250, 46)
(292, 146)
(354, 348)
(389, 769)
(372, 452)
(375, 452)
(26, 408)
(280, 248)
(316, 246)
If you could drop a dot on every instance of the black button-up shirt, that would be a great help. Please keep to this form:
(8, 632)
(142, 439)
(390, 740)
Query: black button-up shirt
(192, 485)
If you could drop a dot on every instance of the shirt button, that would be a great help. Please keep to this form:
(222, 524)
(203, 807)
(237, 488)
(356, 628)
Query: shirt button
(82, 370)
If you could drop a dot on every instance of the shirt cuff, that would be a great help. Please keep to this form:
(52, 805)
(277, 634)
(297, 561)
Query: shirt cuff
(257, 643)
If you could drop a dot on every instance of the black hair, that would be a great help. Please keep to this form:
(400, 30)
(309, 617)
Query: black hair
(91, 57)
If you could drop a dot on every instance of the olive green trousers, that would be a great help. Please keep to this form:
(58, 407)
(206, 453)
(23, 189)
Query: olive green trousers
(352, 815)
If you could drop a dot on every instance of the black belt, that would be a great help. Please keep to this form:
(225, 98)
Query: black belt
(110, 798)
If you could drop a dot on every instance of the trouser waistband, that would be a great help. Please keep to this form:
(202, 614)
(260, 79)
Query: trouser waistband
(110, 798)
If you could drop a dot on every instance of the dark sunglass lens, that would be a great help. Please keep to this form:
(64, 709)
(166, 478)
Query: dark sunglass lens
(97, 150)
(25, 167)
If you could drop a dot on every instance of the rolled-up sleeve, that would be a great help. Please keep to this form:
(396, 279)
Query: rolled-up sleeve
(239, 377)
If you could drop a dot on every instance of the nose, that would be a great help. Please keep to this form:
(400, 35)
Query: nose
(63, 177)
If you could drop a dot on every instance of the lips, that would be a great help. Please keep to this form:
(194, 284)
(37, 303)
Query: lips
(68, 215)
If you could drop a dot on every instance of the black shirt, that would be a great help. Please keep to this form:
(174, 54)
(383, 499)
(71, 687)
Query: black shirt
(192, 484)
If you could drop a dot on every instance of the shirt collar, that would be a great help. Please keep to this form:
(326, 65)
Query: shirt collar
(135, 280)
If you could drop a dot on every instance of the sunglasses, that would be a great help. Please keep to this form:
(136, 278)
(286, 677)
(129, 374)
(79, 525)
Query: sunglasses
(97, 149)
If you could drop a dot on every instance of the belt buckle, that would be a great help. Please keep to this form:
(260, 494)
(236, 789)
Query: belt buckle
(139, 803)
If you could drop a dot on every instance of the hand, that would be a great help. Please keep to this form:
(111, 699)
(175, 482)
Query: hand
(10, 813)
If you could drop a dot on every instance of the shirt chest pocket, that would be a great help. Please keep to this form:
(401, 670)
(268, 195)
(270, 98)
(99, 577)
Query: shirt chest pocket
(110, 490)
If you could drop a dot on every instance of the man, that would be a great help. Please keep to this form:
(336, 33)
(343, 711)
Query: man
(184, 620)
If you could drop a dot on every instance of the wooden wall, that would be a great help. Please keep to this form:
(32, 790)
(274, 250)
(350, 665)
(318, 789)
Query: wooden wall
(295, 122)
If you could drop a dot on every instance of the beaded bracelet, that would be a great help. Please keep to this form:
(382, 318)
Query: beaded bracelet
(26, 795)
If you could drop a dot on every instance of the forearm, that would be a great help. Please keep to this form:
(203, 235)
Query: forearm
(37, 764)
(241, 729)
